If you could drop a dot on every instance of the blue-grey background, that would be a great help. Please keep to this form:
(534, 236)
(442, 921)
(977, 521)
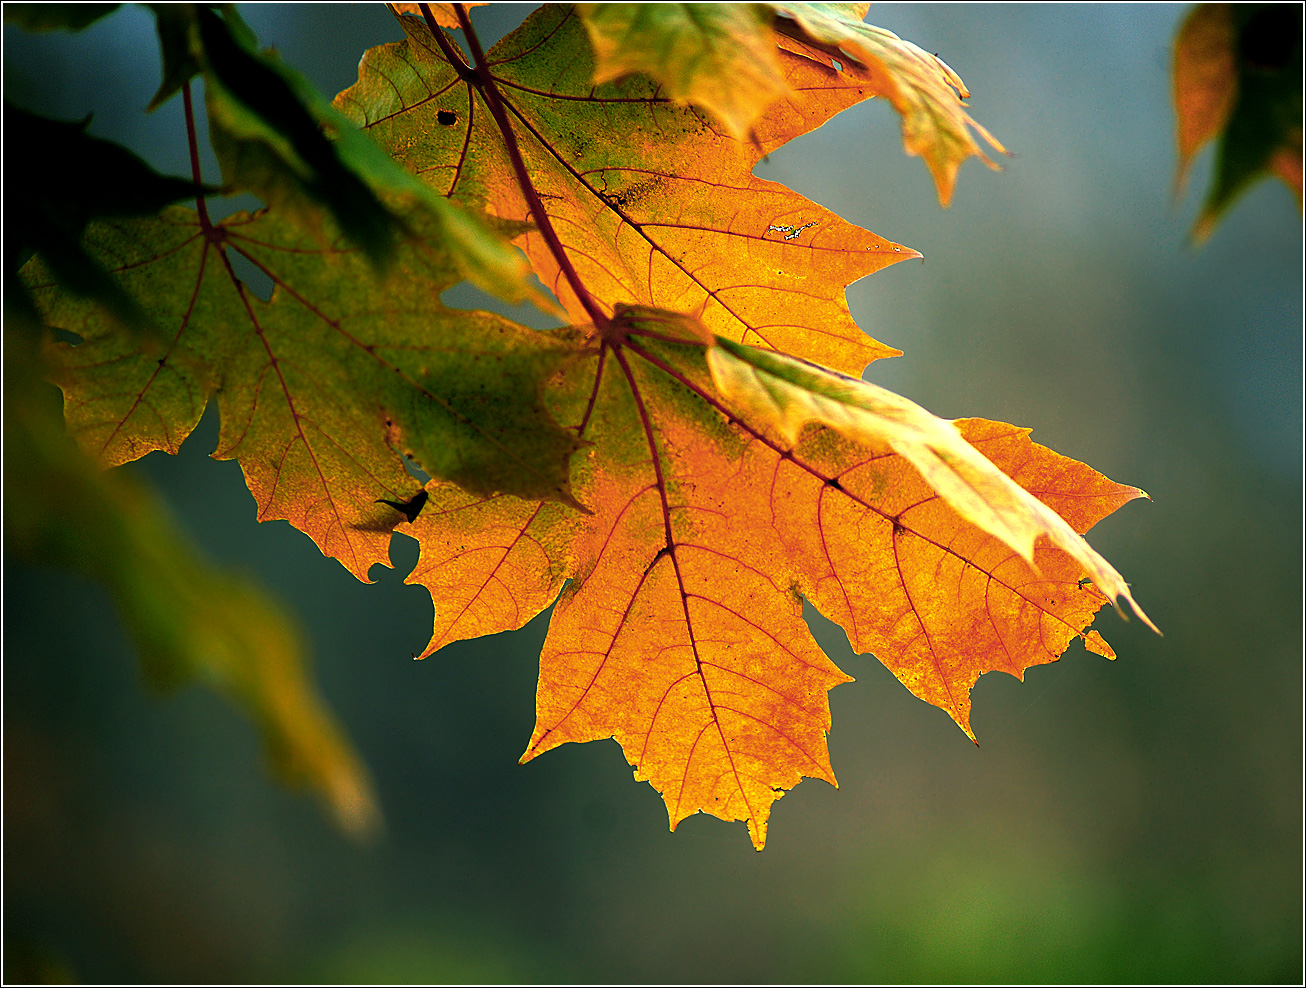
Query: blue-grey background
(1129, 821)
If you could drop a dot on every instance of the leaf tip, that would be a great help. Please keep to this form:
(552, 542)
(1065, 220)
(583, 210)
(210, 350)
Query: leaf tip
(1133, 605)
(1096, 644)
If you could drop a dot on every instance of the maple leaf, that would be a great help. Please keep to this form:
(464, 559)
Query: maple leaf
(669, 216)
(324, 389)
(720, 56)
(681, 634)
(1238, 77)
(682, 484)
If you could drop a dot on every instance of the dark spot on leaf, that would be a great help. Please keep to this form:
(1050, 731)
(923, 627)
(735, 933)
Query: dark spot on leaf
(447, 118)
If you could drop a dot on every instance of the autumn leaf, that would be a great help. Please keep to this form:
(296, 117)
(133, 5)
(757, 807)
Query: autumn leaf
(922, 87)
(276, 137)
(669, 216)
(680, 469)
(323, 390)
(1238, 78)
(723, 58)
(787, 394)
(442, 12)
(680, 633)
(719, 56)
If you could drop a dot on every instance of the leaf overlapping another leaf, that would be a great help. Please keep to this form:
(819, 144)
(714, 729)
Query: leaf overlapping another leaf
(322, 390)
(668, 216)
(924, 90)
(723, 58)
(680, 633)
(682, 484)
(276, 137)
(718, 56)
(787, 394)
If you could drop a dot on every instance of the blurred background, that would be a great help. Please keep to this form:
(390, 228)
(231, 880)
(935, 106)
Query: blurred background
(1131, 821)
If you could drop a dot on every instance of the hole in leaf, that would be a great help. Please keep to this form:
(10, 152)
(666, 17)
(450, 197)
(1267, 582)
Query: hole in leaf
(447, 118)
(255, 280)
(838, 65)
(65, 336)
(414, 471)
(467, 296)
(221, 207)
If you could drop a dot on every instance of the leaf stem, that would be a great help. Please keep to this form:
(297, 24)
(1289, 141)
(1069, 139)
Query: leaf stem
(201, 206)
(453, 55)
(485, 83)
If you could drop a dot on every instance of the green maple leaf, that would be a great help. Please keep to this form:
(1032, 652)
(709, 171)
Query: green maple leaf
(323, 390)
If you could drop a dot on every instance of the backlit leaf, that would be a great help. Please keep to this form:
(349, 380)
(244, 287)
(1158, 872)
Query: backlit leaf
(670, 215)
(922, 88)
(324, 389)
(786, 394)
(719, 56)
(672, 469)
(714, 515)
(276, 137)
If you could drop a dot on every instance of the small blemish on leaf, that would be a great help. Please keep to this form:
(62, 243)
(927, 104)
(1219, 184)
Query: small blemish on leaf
(790, 232)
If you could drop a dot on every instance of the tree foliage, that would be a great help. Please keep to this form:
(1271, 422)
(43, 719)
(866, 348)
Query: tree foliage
(685, 462)
(1238, 79)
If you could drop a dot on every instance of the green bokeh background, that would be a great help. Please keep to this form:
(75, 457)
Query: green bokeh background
(1131, 821)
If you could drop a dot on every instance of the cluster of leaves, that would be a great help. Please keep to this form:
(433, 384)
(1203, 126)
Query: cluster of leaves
(684, 463)
(1238, 77)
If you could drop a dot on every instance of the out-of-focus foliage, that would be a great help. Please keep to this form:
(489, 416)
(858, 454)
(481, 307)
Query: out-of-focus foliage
(1238, 78)
(191, 621)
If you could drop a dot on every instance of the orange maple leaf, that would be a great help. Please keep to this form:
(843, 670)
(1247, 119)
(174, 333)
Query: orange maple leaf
(681, 632)
(665, 464)
(669, 216)
(713, 515)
